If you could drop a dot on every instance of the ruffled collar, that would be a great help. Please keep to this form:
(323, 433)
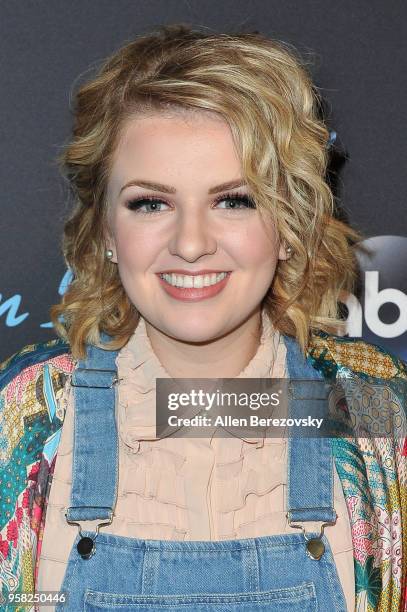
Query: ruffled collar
(139, 367)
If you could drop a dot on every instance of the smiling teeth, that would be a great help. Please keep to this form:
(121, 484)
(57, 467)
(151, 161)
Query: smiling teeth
(188, 282)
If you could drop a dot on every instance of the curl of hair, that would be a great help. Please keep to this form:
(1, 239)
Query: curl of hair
(262, 88)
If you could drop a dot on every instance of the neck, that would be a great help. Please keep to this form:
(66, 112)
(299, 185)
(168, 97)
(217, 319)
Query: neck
(224, 357)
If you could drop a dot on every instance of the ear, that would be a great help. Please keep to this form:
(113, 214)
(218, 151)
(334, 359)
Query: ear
(282, 253)
(110, 244)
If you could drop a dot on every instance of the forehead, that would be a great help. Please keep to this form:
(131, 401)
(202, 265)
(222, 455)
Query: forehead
(164, 136)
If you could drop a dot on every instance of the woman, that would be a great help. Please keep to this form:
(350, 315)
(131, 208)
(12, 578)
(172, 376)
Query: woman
(203, 245)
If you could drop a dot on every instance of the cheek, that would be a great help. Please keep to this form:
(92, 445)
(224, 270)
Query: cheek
(255, 248)
(136, 247)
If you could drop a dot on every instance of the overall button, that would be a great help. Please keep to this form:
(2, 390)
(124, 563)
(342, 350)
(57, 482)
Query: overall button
(315, 548)
(85, 547)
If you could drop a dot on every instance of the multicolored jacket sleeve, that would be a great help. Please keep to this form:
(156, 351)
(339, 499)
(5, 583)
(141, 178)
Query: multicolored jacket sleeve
(30, 426)
(372, 470)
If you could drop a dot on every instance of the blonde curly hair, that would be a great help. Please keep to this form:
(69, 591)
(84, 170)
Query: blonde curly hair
(263, 89)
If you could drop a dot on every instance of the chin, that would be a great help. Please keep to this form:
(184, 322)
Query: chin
(192, 330)
(194, 334)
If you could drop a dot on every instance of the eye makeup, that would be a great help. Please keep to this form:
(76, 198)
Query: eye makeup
(137, 203)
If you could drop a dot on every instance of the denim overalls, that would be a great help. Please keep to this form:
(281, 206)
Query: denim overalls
(288, 572)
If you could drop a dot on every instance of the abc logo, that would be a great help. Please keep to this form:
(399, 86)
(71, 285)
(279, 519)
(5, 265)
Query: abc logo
(379, 313)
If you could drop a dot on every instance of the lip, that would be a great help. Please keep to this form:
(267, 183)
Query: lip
(189, 273)
(193, 294)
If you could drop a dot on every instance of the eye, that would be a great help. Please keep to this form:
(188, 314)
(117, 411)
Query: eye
(237, 201)
(152, 203)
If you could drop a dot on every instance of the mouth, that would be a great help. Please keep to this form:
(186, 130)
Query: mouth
(193, 287)
(196, 281)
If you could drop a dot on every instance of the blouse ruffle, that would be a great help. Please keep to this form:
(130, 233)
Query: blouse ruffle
(139, 367)
(229, 483)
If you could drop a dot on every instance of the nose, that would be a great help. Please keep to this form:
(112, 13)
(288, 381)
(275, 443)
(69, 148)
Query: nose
(193, 236)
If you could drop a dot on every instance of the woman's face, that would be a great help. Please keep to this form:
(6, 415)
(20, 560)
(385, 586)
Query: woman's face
(185, 220)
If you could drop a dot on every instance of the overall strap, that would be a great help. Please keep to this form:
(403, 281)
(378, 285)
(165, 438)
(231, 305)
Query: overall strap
(95, 451)
(310, 460)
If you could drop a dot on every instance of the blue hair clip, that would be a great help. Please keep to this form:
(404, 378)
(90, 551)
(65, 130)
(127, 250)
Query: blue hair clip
(331, 139)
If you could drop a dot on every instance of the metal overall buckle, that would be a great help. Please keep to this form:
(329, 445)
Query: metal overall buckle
(115, 379)
(315, 545)
(86, 545)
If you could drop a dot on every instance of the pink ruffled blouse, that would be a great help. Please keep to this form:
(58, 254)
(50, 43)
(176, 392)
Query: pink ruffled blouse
(185, 488)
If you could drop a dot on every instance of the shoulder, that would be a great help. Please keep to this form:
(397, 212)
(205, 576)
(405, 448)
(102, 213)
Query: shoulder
(366, 359)
(31, 381)
(54, 352)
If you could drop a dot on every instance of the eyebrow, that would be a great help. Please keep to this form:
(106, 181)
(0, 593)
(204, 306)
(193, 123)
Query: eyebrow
(168, 189)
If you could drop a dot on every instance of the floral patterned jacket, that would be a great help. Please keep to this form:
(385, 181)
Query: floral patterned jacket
(373, 471)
